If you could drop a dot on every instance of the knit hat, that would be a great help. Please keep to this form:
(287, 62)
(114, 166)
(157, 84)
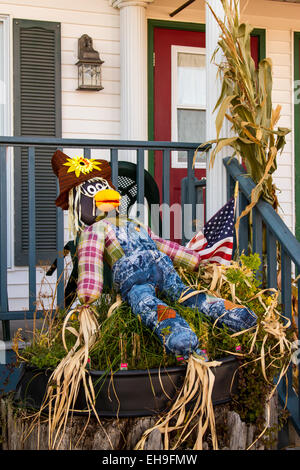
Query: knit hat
(73, 171)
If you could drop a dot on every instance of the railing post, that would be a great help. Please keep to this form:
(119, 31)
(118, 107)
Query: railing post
(87, 152)
(257, 239)
(60, 253)
(3, 239)
(32, 229)
(243, 228)
(230, 184)
(191, 186)
(114, 167)
(271, 260)
(286, 299)
(286, 283)
(140, 184)
(166, 216)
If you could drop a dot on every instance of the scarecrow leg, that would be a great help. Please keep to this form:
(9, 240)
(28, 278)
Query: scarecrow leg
(172, 330)
(236, 317)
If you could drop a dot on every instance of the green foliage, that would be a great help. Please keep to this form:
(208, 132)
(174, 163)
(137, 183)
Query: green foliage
(252, 261)
(124, 338)
(42, 357)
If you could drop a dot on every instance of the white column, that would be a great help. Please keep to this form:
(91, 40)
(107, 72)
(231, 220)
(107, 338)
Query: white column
(215, 177)
(133, 51)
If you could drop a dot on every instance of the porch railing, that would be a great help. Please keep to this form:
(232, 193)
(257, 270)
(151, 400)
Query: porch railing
(162, 149)
(282, 250)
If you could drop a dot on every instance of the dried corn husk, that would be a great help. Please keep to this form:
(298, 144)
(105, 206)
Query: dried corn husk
(70, 374)
(198, 386)
(246, 102)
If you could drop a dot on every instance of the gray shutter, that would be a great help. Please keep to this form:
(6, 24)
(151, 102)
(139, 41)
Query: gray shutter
(37, 112)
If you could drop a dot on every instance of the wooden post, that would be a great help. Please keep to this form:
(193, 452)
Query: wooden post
(118, 434)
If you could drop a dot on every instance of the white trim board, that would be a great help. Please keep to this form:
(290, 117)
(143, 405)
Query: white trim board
(6, 125)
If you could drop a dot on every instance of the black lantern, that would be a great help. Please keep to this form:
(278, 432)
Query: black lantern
(89, 65)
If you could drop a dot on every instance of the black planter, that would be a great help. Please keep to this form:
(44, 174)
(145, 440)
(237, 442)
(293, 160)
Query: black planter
(129, 393)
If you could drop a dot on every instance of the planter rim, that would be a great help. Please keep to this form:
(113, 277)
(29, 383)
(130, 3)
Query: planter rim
(162, 370)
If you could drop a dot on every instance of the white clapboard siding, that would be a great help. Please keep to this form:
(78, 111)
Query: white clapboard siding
(95, 128)
(280, 50)
(76, 13)
(105, 47)
(110, 87)
(91, 113)
(87, 99)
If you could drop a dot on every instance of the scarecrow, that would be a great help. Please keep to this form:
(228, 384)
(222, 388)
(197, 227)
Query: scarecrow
(142, 264)
(143, 269)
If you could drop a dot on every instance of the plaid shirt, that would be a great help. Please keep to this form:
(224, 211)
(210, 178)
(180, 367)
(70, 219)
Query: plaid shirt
(100, 241)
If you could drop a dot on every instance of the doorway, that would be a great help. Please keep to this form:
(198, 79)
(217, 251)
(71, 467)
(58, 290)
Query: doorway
(177, 93)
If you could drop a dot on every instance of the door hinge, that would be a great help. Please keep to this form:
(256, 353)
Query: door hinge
(153, 59)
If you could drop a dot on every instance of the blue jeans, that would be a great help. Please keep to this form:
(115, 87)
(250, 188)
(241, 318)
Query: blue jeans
(137, 276)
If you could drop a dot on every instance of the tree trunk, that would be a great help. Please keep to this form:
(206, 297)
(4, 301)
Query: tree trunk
(119, 434)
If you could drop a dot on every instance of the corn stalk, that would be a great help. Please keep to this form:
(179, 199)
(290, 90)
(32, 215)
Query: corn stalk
(246, 101)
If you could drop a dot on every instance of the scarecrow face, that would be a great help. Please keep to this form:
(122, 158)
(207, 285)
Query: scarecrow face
(95, 194)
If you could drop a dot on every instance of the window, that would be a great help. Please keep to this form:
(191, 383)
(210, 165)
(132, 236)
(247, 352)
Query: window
(37, 112)
(188, 100)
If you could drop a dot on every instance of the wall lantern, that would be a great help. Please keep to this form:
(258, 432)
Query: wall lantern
(89, 65)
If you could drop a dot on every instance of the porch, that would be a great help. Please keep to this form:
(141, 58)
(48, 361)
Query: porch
(281, 247)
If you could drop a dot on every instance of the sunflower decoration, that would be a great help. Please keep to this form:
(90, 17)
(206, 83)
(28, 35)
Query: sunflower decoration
(82, 165)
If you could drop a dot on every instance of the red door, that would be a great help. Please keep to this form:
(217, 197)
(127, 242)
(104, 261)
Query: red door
(179, 97)
(164, 104)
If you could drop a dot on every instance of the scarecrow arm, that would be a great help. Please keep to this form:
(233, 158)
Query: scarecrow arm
(180, 256)
(90, 263)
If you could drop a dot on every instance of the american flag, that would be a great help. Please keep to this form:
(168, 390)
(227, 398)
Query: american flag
(216, 241)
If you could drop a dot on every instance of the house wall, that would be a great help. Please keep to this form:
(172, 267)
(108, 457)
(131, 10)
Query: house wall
(97, 115)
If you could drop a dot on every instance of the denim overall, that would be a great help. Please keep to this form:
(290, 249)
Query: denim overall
(142, 269)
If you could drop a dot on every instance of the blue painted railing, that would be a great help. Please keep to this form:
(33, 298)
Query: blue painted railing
(280, 245)
(162, 149)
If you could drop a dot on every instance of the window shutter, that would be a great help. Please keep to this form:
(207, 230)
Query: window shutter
(37, 112)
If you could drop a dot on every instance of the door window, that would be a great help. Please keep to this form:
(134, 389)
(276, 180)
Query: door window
(188, 100)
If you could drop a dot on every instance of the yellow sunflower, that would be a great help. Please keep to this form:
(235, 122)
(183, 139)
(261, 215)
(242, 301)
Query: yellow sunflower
(82, 165)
